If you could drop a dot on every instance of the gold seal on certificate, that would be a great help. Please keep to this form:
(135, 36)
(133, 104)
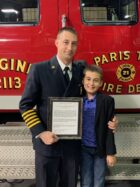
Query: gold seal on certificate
(65, 117)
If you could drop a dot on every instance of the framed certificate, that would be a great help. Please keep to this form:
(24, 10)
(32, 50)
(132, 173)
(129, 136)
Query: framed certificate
(65, 117)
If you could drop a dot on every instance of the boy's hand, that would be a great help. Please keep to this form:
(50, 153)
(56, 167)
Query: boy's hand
(111, 160)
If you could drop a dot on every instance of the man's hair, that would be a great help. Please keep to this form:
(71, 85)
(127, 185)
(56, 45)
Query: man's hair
(69, 29)
(93, 68)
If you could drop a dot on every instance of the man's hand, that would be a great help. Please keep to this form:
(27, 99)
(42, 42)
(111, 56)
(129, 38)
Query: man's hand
(48, 137)
(113, 124)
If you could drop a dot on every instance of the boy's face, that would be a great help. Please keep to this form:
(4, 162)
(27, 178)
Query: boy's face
(92, 82)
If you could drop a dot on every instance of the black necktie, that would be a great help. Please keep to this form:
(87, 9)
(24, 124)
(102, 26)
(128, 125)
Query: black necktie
(66, 75)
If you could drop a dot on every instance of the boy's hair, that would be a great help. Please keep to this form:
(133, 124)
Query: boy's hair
(93, 68)
(69, 29)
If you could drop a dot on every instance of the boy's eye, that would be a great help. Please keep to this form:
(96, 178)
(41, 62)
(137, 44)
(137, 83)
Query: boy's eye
(96, 80)
(88, 79)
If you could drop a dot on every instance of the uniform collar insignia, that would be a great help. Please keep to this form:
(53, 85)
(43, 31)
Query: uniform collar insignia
(53, 67)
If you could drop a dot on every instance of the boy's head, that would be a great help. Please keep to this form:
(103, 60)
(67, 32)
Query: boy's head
(92, 79)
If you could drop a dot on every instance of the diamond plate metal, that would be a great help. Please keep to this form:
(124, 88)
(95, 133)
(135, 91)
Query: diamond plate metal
(127, 140)
(16, 152)
(17, 155)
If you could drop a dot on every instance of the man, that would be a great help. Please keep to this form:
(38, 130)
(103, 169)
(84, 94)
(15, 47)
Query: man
(56, 161)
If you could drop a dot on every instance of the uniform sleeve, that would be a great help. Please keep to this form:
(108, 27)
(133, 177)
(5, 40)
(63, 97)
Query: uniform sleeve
(110, 141)
(29, 101)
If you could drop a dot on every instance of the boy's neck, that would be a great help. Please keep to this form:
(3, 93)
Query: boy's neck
(90, 96)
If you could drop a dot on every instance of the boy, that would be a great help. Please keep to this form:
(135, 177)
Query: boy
(98, 146)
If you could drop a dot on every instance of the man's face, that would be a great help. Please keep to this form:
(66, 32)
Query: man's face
(66, 44)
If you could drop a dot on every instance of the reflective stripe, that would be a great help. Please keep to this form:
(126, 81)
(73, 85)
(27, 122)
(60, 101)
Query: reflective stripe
(34, 124)
(31, 118)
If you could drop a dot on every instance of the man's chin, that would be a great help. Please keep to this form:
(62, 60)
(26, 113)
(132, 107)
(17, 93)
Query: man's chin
(69, 58)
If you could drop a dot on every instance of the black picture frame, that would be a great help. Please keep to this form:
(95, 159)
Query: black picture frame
(65, 117)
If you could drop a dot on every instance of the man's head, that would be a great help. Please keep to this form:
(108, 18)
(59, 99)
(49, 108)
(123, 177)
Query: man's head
(66, 43)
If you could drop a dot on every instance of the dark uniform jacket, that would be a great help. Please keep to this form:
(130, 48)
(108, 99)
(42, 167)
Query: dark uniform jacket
(45, 80)
(105, 108)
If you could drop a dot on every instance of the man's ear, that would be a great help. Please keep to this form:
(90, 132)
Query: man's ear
(56, 42)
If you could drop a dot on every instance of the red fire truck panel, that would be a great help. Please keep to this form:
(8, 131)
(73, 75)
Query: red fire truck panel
(109, 36)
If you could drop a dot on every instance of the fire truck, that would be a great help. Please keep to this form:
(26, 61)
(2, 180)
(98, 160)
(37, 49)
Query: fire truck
(109, 36)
